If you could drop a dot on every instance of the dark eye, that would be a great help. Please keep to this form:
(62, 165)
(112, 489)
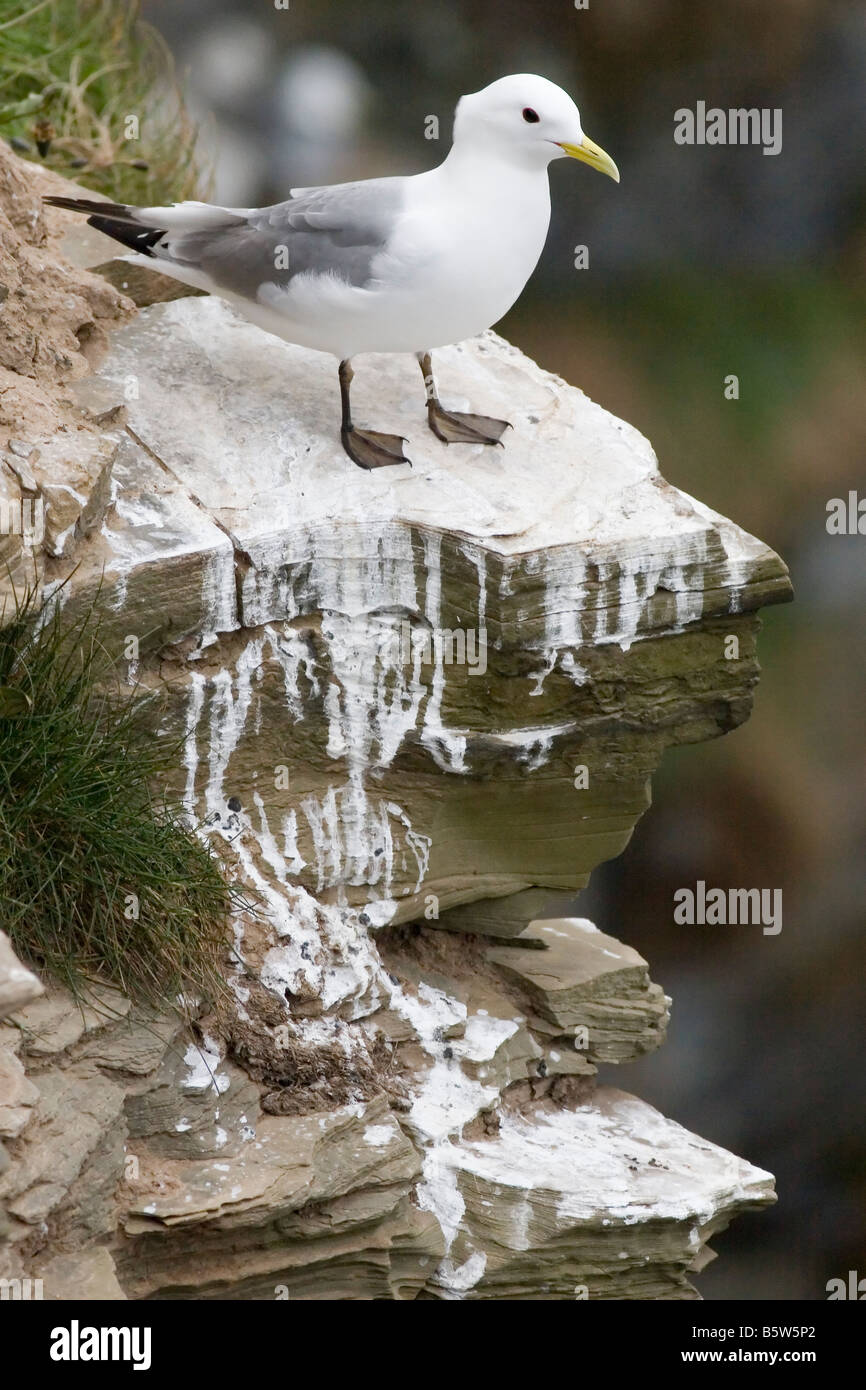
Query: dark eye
(530, 115)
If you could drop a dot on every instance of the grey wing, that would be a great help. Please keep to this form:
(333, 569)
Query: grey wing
(337, 230)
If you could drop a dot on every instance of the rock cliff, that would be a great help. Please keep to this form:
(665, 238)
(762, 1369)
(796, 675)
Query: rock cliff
(417, 708)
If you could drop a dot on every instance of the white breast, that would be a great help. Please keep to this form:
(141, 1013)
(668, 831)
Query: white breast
(460, 257)
(460, 254)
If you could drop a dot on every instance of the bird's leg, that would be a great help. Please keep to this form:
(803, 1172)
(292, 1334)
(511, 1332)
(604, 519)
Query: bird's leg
(367, 448)
(453, 426)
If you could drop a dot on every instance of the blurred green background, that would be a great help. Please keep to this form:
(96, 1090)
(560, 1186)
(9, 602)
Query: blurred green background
(705, 262)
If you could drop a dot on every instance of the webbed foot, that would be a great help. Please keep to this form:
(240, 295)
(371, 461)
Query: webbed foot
(369, 449)
(457, 427)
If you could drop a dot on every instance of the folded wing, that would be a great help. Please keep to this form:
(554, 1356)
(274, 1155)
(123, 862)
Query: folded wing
(336, 231)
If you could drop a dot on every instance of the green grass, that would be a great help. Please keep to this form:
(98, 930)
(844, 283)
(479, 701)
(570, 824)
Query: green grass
(82, 827)
(71, 72)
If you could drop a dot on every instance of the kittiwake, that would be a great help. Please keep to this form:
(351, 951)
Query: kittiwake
(387, 264)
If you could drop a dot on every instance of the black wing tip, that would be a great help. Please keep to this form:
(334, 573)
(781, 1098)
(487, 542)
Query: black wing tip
(130, 234)
(115, 220)
(119, 211)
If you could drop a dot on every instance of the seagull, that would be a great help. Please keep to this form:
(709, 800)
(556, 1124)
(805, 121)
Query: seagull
(396, 264)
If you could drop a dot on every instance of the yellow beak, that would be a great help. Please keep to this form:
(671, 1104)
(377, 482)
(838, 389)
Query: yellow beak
(592, 154)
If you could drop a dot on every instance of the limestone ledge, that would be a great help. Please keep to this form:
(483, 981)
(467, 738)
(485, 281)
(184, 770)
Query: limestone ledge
(296, 613)
(571, 530)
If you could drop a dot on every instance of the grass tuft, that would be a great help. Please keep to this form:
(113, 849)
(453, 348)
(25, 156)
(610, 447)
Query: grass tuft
(101, 879)
(73, 74)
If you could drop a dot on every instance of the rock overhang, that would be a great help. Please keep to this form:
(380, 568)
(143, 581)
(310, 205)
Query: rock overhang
(570, 526)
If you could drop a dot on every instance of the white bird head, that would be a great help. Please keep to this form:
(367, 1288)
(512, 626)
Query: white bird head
(528, 121)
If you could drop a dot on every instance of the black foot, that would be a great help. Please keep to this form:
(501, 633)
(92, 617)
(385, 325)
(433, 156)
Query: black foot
(454, 427)
(369, 449)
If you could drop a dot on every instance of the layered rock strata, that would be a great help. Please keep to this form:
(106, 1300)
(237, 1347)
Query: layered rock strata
(418, 707)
